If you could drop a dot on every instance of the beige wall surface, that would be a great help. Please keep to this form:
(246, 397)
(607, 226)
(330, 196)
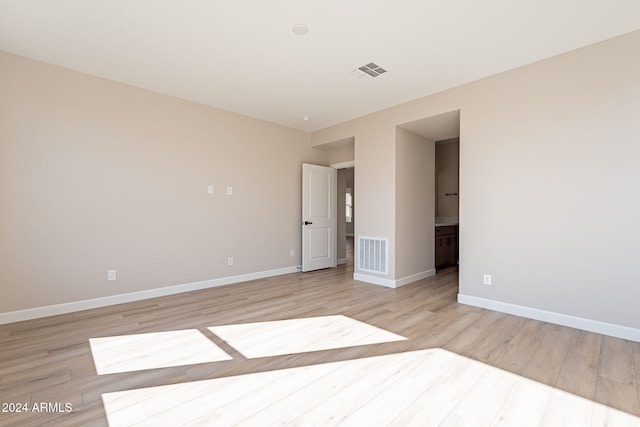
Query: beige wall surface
(377, 173)
(339, 154)
(415, 200)
(548, 181)
(96, 175)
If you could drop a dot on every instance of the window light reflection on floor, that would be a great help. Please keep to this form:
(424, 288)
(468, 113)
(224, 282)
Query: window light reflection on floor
(425, 387)
(279, 337)
(136, 352)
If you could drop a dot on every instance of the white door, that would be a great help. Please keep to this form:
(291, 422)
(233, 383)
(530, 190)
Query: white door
(319, 222)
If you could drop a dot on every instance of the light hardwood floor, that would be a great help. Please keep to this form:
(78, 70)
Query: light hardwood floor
(459, 365)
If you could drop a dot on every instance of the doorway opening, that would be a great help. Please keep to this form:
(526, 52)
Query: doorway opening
(340, 156)
(443, 131)
(346, 213)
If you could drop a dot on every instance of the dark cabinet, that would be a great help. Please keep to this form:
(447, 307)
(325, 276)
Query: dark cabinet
(446, 246)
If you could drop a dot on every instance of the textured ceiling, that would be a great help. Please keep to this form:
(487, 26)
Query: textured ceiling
(243, 56)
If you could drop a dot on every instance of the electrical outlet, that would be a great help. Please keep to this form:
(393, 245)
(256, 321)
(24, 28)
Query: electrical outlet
(111, 275)
(229, 191)
(230, 260)
(210, 189)
(292, 253)
(487, 279)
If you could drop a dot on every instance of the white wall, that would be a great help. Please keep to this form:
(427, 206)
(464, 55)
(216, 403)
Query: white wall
(547, 167)
(97, 175)
(548, 181)
(414, 200)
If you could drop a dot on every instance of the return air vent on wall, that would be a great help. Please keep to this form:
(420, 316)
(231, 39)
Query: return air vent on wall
(370, 69)
(372, 254)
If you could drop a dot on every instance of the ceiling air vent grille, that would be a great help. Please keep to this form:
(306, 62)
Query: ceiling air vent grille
(370, 69)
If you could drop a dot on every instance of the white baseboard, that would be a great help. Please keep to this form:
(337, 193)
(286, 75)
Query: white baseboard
(52, 310)
(393, 283)
(596, 326)
(342, 261)
(415, 277)
(374, 280)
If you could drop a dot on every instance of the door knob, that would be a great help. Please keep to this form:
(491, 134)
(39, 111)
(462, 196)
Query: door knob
(308, 223)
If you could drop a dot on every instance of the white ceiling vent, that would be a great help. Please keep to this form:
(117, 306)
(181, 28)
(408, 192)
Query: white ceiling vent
(369, 69)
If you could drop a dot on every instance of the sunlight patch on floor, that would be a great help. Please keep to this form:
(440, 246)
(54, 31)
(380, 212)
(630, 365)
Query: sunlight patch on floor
(423, 388)
(275, 338)
(137, 352)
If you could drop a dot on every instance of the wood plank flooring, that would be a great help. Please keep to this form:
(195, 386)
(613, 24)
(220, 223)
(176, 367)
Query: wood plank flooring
(496, 360)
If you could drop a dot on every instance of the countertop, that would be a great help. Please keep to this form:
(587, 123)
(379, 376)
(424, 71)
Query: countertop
(442, 221)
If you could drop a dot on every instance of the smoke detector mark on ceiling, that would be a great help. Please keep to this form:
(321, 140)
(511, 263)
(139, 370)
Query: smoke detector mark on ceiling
(300, 29)
(370, 69)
